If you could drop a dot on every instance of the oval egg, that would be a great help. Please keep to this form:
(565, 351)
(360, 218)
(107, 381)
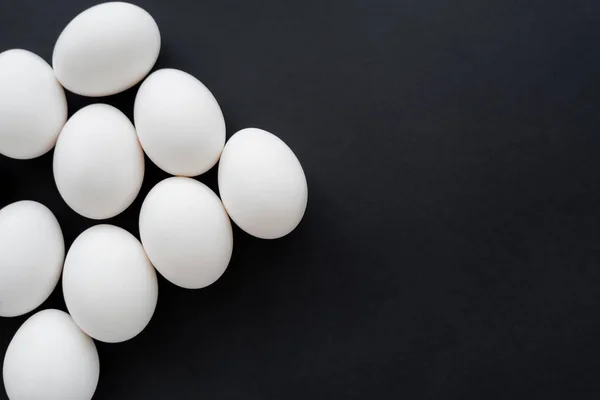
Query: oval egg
(50, 358)
(262, 184)
(106, 49)
(33, 106)
(186, 232)
(32, 252)
(98, 162)
(109, 285)
(179, 123)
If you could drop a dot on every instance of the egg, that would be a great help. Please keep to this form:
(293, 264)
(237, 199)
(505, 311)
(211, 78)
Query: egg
(262, 184)
(106, 49)
(186, 232)
(50, 358)
(32, 252)
(109, 285)
(179, 123)
(33, 106)
(98, 162)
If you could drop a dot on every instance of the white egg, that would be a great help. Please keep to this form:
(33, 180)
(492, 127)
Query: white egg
(50, 358)
(33, 106)
(110, 287)
(186, 232)
(262, 184)
(98, 162)
(32, 252)
(179, 123)
(106, 49)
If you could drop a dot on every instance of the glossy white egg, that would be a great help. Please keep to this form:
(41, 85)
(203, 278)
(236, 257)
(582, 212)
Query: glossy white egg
(98, 162)
(110, 287)
(33, 106)
(186, 232)
(262, 184)
(106, 49)
(179, 123)
(50, 358)
(32, 252)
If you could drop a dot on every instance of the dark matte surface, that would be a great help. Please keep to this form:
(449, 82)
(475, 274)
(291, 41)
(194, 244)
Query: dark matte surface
(451, 246)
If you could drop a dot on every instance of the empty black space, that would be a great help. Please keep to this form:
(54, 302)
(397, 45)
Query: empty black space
(451, 245)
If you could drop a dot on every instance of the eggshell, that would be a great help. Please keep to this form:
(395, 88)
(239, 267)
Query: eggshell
(186, 232)
(33, 106)
(32, 252)
(179, 123)
(110, 287)
(50, 358)
(106, 49)
(98, 162)
(262, 184)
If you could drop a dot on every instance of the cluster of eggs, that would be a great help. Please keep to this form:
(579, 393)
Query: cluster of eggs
(108, 275)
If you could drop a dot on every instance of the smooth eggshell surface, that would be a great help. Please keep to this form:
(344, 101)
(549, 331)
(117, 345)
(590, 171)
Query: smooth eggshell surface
(106, 49)
(50, 358)
(186, 232)
(179, 123)
(110, 287)
(32, 252)
(98, 162)
(33, 106)
(262, 184)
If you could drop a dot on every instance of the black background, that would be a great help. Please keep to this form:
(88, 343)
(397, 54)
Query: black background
(451, 245)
